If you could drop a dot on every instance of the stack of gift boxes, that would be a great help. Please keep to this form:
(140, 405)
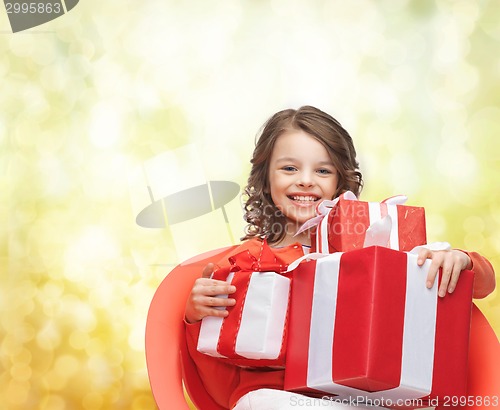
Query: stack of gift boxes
(354, 317)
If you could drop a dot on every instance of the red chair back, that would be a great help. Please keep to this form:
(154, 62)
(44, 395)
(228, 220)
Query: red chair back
(166, 353)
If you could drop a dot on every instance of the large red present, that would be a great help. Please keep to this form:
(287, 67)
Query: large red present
(253, 334)
(344, 223)
(364, 324)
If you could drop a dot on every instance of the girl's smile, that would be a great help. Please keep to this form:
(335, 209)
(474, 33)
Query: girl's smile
(303, 199)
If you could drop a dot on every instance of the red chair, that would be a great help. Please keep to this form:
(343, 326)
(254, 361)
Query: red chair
(168, 361)
(169, 364)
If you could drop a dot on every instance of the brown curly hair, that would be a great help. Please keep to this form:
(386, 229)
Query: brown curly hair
(263, 217)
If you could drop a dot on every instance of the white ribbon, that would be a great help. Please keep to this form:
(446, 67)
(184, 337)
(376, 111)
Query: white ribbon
(378, 233)
(263, 317)
(389, 228)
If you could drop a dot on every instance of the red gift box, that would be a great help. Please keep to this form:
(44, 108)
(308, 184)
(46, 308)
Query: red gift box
(363, 324)
(253, 334)
(346, 221)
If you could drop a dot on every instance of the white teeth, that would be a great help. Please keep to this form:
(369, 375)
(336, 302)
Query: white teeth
(304, 198)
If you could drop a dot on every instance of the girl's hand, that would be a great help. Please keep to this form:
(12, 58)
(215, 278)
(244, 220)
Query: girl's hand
(452, 262)
(202, 301)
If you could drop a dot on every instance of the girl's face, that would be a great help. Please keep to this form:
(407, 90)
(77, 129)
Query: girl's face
(301, 174)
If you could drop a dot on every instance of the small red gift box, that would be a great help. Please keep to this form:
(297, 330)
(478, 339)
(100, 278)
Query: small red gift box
(364, 324)
(253, 334)
(344, 225)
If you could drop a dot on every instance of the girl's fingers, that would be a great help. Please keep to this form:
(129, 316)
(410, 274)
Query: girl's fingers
(214, 290)
(447, 270)
(213, 302)
(220, 290)
(423, 254)
(454, 278)
(207, 306)
(212, 307)
(213, 287)
(216, 312)
(433, 271)
(207, 270)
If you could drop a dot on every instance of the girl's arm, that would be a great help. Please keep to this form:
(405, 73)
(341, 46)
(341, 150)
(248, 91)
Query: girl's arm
(484, 275)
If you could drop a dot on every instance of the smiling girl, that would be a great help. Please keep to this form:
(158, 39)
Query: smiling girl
(302, 157)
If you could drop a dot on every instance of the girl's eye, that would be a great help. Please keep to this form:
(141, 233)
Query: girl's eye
(289, 168)
(324, 171)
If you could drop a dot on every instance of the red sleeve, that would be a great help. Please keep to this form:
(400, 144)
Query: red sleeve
(484, 275)
(220, 379)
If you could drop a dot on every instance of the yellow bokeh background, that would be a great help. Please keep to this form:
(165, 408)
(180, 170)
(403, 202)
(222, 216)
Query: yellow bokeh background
(87, 98)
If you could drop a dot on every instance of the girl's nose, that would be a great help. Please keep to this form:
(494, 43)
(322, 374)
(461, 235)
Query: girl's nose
(305, 179)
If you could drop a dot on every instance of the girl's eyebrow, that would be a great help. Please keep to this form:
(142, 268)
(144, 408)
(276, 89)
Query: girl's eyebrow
(287, 159)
